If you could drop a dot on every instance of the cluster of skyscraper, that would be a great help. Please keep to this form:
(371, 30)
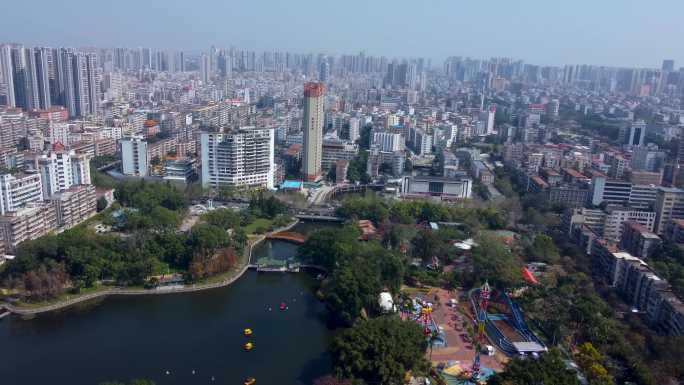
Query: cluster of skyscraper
(493, 73)
(125, 59)
(39, 78)
(222, 62)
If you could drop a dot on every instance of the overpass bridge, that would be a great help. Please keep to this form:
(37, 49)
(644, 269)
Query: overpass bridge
(109, 166)
(319, 217)
(337, 191)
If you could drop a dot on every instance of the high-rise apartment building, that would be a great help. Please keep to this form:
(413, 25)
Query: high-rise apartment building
(25, 81)
(85, 84)
(402, 75)
(336, 150)
(490, 115)
(617, 216)
(648, 159)
(324, 71)
(27, 74)
(7, 74)
(181, 61)
(60, 170)
(634, 135)
(205, 68)
(30, 222)
(16, 190)
(354, 129)
(387, 140)
(421, 141)
(668, 65)
(669, 205)
(74, 205)
(244, 157)
(638, 239)
(313, 130)
(64, 92)
(68, 78)
(80, 169)
(134, 156)
(93, 83)
(44, 76)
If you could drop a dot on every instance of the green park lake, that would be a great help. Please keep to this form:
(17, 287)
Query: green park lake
(197, 338)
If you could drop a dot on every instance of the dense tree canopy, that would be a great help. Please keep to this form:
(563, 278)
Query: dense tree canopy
(328, 247)
(370, 207)
(358, 271)
(365, 136)
(101, 204)
(494, 262)
(668, 262)
(223, 218)
(265, 205)
(548, 369)
(45, 267)
(380, 350)
(356, 172)
(592, 363)
(411, 212)
(543, 249)
(146, 196)
(356, 283)
(572, 310)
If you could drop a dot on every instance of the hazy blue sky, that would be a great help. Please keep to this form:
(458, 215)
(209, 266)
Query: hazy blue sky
(606, 32)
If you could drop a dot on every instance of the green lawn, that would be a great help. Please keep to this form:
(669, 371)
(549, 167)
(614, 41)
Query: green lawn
(258, 223)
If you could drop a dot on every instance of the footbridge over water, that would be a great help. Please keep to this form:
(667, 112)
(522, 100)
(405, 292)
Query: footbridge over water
(288, 236)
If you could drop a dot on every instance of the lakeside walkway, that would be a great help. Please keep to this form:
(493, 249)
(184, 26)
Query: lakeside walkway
(156, 291)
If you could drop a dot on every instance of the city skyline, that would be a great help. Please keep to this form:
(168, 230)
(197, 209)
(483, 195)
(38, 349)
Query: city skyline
(348, 191)
(597, 34)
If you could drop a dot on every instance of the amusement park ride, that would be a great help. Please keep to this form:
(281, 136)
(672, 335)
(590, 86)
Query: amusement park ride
(426, 320)
(481, 319)
(472, 376)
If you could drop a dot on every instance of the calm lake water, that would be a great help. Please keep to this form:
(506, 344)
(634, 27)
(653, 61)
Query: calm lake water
(121, 338)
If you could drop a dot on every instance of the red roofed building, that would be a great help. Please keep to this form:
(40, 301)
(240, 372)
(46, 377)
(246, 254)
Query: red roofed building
(537, 184)
(53, 114)
(573, 176)
(58, 146)
(367, 228)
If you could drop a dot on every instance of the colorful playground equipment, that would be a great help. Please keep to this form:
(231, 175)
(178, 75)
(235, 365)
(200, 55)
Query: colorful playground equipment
(249, 346)
(420, 311)
(248, 332)
(481, 318)
(459, 374)
(426, 320)
(502, 328)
